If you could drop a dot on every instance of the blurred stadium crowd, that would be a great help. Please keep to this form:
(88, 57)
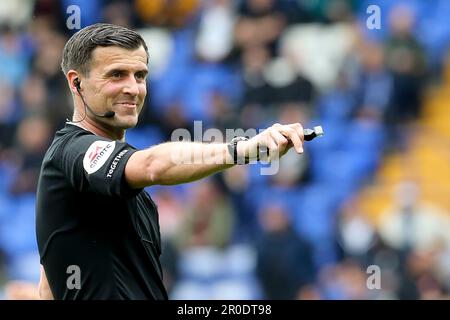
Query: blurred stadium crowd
(299, 234)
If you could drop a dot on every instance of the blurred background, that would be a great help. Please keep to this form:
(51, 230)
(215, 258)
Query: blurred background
(375, 190)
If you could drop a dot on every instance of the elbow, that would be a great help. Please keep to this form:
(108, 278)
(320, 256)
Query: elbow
(151, 178)
(144, 169)
(161, 172)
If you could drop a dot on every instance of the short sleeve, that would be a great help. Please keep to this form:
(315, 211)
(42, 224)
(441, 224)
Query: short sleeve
(95, 164)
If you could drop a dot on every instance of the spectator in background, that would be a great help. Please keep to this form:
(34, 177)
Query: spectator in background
(405, 59)
(356, 234)
(209, 221)
(214, 40)
(374, 86)
(329, 11)
(287, 86)
(256, 89)
(418, 278)
(173, 117)
(33, 96)
(32, 139)
(171, 216)
(8, 115)
(54, 97)
(284, 272)
(260, 24)
(415, 230)
(236, 183)
(119, 13)
(222, 111)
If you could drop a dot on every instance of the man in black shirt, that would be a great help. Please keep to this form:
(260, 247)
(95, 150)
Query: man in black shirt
(97, 229)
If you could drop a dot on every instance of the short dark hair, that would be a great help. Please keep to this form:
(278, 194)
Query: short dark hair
(78, 50)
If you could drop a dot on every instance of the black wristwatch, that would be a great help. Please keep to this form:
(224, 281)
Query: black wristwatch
(232, 149)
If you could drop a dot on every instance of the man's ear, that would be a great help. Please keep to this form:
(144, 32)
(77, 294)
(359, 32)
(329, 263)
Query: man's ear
(73, 77)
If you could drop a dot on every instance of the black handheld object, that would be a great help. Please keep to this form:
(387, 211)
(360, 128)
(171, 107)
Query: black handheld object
(108, 114)
(310, 134)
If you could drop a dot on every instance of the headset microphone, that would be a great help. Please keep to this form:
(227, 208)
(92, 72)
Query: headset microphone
(108, 114)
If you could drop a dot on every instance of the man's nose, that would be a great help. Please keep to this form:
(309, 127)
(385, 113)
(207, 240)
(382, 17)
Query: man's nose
(131, 86)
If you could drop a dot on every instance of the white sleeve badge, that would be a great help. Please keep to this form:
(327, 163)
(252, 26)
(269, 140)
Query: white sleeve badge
(97, 154)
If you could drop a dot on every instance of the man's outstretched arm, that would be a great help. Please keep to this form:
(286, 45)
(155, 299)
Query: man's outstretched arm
(181, 162)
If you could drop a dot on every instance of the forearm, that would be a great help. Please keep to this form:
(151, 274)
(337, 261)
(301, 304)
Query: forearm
(178, 162)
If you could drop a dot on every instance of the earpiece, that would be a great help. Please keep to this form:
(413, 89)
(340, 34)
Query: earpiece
(77, 84)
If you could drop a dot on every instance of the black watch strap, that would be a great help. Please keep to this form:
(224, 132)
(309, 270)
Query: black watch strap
(232, 149)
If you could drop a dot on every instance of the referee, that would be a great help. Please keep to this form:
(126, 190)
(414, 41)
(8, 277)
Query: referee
(94, 221)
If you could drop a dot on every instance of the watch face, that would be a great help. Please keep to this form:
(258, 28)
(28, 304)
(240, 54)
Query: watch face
(232, 148)
(237, 139)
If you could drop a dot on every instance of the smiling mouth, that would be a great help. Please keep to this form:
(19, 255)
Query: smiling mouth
(127, 104)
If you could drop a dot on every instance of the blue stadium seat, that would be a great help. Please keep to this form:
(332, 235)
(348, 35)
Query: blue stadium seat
(144, 137)
(204, 80)
(314, 220)
(21, 217)
(18, 239)
(363, 135)
(336, 106)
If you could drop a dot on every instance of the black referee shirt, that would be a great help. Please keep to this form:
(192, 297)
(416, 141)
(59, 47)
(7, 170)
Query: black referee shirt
(89, 219)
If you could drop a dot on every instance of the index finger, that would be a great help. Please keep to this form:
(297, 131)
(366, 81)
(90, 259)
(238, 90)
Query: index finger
(294, 136)
(299, 129)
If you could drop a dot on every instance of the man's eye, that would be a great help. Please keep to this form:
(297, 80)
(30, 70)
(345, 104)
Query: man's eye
(116, 74)
(140, 76)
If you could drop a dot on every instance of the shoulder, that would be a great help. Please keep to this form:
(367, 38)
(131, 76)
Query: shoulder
(69, 132)
(73, 138)
(68, 140)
